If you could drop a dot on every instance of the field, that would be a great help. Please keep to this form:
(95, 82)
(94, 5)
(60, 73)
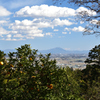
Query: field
(71, 60)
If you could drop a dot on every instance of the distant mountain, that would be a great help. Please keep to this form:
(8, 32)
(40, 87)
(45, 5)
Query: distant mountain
(62, 51)
(56, 50)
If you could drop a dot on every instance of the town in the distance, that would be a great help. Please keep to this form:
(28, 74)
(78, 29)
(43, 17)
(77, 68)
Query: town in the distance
(64, 58)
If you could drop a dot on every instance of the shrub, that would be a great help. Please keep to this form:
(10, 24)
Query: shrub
(31, 76)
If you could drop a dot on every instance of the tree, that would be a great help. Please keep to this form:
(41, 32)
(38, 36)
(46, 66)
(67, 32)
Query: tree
(93, 20)
(91, 74)
(27, 75)
(94, 56)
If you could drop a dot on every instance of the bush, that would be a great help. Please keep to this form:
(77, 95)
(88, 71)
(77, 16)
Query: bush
(29, 76)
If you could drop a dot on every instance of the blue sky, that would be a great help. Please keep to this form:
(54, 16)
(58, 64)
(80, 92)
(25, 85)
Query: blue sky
(43, 25)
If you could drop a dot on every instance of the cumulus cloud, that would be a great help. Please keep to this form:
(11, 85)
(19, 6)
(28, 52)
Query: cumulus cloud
(68, 29)
(29, 29)
(42, 23)
(78, 29)
(50, 34)
(9, 36)
(45, 11)
(50, 11)
(36, 35)
(33, 28)
(69, 32)
(97, 22)
(81, 22)
(3, 31)
(9, 39)
(25, 29)
(4, 11)
(44, 17)
(3, 21)
(18, 35)
(56, 30)
(64, 32)
(85, 11)
(59, 22)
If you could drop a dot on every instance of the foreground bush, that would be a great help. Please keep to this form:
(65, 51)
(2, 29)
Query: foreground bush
(29, 76)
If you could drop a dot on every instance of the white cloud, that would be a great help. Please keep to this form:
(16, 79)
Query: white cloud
(9, 36)
(9, 39)
(44, 17)
(69, 32)
(29, 37)
(50, 11)
(95, 22)
(18, 35)
(4, 11)
(45, 11)
(56, 30)
(50, 34)
(30, 29)
(37, 35)
(78, 29)
(25, 29)
(85, 11)
(14, 32)
(3, 31)
(61, 36)
(42, 23)
(81, 22)
(3, 21)
(59, 22)
(68, 29)
(26, 22)
(64, 32)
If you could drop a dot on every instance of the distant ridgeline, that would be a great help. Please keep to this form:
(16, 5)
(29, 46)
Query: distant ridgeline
(54, 51)
(62, 51)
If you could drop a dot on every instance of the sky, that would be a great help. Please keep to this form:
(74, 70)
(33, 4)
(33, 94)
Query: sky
(43, 25)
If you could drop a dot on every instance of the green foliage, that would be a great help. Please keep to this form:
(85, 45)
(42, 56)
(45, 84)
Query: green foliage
(94, 56)
(91, 75)
(27, 75)
(31, 76)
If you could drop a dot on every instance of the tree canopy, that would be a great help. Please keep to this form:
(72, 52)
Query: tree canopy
(94, 56)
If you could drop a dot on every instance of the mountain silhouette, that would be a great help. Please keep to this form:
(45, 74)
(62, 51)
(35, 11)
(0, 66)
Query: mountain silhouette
(56, 50)
(59, 50)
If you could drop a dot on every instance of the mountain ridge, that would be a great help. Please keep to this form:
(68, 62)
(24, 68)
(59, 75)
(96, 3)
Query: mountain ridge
(59, 50)
(56, 50)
